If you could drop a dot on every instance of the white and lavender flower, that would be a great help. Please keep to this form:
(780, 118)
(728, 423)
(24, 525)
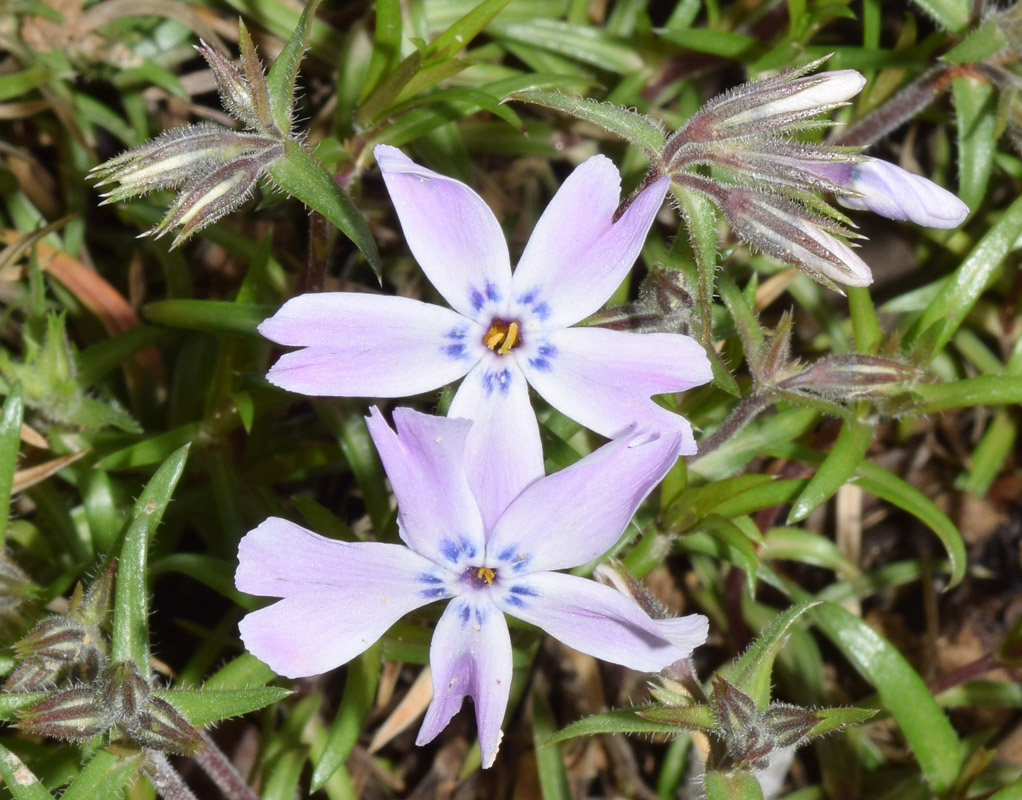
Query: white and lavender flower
(506, 331)
(340, 597)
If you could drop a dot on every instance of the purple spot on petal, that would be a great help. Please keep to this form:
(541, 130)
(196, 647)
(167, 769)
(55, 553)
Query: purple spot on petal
(477, 299)
(540, 364)
(492, 293)
(450, 550)
(541, 310)
(497, 381)
(547, 350)
(481, 615)
(465, 612)
(529, 297)
(455, 351)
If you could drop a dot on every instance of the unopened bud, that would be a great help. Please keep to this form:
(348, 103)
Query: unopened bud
(76, 714)
(161, 727)
(852, 375)
(890, 191)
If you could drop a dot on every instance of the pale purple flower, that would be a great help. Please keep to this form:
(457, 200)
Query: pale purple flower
(890, 191)
(505, 331)
(340, 597)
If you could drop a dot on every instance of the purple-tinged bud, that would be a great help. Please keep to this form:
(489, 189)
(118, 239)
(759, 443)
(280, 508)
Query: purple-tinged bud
(216, 194)
(780, 104)
(175, 157)
(161, 727)
(76, 714)
(57, 649)
(126, 693)
(892, 192)
(849, 375)
(788, 232)
(784, 102)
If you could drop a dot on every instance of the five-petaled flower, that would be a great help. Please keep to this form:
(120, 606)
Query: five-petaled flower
(506, 330)
(340, 597)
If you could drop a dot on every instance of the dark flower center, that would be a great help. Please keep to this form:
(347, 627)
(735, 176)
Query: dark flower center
(481, 577)
(503, 336)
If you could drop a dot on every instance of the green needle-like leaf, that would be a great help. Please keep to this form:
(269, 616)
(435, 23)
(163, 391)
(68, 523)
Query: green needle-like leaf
(359, 691)
(751, 672)
(20, 781)
(105, 775)
(902, 692)
(130, 640)
(299, 174)
(839, 465)
(204, 706)
(10, 440)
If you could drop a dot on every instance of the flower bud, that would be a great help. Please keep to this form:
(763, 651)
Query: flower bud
(76, 714)
(783, 229)
(852, 375)
(161, 727)
(888, 190)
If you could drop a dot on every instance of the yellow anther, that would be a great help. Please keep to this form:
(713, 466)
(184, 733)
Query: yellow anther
(509, 340)
(493, 336)
(486, 574)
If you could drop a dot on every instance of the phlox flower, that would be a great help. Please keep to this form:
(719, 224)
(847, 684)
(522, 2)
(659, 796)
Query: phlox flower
(340, 597)
(503, 331)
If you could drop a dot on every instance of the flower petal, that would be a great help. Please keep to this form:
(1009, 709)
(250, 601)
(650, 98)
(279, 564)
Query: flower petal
(577, 514)
(578, 254)
(425, 461)
(339, 597)
(366, 345)
(503, 454)
(451, 232)
(470, 656)
(603, 379)
(598, 620)
(890, 191)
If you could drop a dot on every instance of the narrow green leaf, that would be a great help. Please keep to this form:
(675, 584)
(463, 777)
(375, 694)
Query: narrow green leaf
(719, 43)
(878, 481)
(834, 719)
(98, 360)
(701, 220)
(952, 14)
(130, 639)
(796, 544)
(10, 441)
(636, 129)
(13, 702)
(553, 778)
(17, 83)
(981, 43)
(865, 324)
(751, 672)
(625, 720)
(696, 717)
(1012, 792)
(387, 49)
(359, 691)
(839, 465)
(283, 74)
(208, 316)
(983, 390)
(902, 692)
(299, 174)
(464, 30)
(976, 112)
(735, 785)
(19, 779)
(958, 295)
(206, 705)
(589, 45)
(105, 775)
